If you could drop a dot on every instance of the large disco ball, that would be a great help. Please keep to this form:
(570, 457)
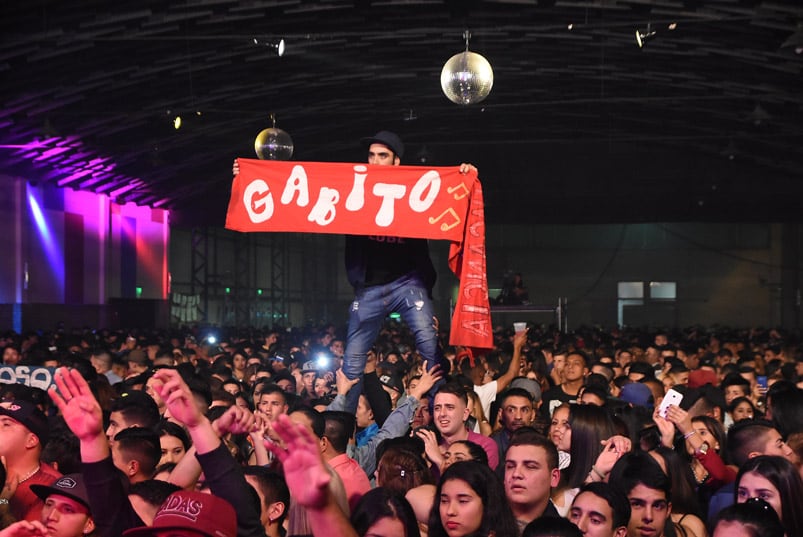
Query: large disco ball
(273, 144)
(467, 78)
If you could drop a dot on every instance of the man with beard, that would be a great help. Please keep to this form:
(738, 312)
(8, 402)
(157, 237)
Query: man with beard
(516, 410)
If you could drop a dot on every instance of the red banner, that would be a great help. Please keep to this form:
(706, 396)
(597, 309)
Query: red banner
(360, 199)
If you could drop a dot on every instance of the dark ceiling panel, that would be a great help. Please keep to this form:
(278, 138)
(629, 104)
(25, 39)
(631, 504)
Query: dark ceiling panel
(704, 123)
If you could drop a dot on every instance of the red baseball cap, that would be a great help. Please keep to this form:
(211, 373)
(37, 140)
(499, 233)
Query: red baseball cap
(194, 512)
(701, 377)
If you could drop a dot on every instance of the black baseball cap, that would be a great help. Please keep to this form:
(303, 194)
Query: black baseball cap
(29, 415)
(70, 485)
(387, 138)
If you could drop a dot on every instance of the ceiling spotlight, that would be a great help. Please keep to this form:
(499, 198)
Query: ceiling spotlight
(642, 36)
(278, 45)
(177, 122)
(672, 25)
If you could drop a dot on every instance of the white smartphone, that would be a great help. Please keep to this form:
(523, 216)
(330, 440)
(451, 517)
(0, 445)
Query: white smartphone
(671, 398)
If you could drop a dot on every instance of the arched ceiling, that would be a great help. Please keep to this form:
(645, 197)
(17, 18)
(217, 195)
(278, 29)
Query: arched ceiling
(703, 123)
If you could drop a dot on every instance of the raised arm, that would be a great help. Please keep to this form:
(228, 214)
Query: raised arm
(308, 479)
(519, 340)
(84, 417)
(81, 412)
(223, 475)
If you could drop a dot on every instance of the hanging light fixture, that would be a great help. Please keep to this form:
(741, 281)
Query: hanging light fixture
(279, 45)
(273, 143)
(467, 77)
(642, 36)
(730, 151)
(759, 115)
(795, 41)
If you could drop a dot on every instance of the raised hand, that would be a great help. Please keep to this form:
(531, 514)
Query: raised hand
(520, 339)
(25, 529)
(236, 420)
(613, 449)
(235, 168)
(466, 167)
(343, 383)
(259, 435)
(679, 417)
(304, 470)
(427, 381)
(431, 448)
(666, 428)
(74, 399)
(177, 397)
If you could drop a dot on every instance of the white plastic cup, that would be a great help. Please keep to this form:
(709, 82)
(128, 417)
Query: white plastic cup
(519, 327)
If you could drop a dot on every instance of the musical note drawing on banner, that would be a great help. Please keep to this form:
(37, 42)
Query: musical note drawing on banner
(446, 226)
(459, 195)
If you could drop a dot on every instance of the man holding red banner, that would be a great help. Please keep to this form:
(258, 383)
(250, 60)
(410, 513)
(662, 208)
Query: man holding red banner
(389, 274)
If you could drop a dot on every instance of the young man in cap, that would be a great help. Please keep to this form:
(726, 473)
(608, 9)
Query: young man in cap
(308, 373)
(66, 511)
(395, 425)
(389, 274)
(393, 386)
(23, 434)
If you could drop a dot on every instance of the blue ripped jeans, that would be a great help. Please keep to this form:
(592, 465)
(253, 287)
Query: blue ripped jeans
(406, 296)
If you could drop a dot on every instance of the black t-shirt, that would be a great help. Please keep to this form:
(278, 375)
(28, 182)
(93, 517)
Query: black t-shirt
(553, 398)
(388, 259)
(377, 260)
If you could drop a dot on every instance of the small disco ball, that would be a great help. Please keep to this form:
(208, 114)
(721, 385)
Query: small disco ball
(273, 144)
(467, 78)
